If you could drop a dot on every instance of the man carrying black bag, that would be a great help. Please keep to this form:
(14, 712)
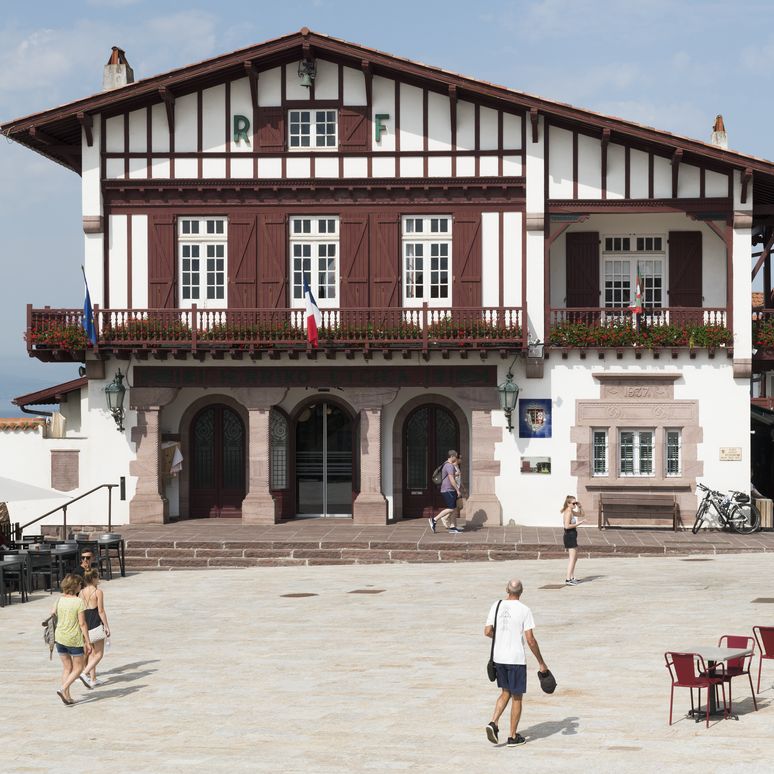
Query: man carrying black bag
(509, 623)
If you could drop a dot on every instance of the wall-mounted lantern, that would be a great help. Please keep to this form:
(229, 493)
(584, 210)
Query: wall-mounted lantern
(114, 393)
(307, 72)
(509, 395)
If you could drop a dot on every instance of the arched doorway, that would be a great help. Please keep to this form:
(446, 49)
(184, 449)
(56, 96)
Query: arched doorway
(323, 457)
(429, 432)
(217, 485)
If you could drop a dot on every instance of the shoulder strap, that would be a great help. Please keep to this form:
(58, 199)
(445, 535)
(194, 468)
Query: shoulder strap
(494, 631)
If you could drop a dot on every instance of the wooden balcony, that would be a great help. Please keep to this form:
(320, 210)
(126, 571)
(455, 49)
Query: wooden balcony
(653, 328)
(763, 337)
(57, 334)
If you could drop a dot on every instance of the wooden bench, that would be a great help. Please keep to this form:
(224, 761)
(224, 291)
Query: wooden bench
(637, 505)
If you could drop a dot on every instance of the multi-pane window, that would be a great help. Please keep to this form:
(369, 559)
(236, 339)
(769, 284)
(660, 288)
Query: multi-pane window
(625, 259)
(599, 451)
(635, 453)
(672, 453)
(314, 258)
(202, 243)
(312, 129)
(427, 259)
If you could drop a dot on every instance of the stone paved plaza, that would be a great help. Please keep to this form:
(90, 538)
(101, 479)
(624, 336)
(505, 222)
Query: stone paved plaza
(222, 672)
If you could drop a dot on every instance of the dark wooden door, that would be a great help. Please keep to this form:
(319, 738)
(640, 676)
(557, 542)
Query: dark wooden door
(217, 463)
(685, 268)
(582, 251)
(428, 434)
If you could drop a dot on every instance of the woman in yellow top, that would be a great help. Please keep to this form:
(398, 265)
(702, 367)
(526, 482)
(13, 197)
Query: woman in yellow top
(71, 635)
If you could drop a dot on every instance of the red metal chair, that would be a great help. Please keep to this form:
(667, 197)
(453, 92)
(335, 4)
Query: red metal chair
(764, 636)
(688, 670)
(735, 667)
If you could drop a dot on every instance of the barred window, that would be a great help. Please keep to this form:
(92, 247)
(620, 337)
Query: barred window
(635, 449)
(278, 436)
(673, 455)
(599, 444)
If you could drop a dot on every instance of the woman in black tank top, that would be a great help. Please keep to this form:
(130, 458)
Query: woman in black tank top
(97, 623)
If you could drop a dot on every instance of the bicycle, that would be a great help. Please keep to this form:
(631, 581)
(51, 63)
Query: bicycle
(735, 511)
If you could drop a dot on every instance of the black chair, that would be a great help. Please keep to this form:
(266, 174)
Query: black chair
(16, 578)
(101, 561)
(44, 568)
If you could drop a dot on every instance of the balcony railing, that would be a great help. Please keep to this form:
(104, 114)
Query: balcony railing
(652, 328)
(197, 330)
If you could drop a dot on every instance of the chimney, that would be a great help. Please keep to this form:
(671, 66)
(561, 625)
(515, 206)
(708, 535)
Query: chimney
(719, 135)
(117, 71)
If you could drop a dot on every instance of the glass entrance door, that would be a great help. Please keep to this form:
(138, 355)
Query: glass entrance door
(323, 461)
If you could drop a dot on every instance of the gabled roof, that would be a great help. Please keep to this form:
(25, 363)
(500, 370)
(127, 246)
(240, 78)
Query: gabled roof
(56, 133)
(50, 395)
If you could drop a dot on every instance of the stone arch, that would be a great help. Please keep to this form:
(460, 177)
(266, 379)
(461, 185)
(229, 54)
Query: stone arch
(185, 441)
(397, 442)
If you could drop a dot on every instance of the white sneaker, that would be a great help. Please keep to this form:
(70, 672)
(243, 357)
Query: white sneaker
(86, 680)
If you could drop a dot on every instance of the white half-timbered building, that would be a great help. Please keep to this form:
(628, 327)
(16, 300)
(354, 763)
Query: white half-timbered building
(451, 230)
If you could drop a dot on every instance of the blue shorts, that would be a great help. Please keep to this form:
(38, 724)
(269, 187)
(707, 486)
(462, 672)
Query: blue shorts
(512, 678)
(68, 650)
(450, 499)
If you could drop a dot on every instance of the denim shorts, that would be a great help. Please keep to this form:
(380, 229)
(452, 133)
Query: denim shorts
(69, 650)
(512, 678)
(450, 499)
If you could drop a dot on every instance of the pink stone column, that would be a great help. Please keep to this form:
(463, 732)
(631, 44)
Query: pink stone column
(259, 507)
(148, 506)
(483, 506)
(370, 506)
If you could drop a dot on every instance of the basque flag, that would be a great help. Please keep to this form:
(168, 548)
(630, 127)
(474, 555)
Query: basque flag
(88, 315)
(313, 316)
(636, 305)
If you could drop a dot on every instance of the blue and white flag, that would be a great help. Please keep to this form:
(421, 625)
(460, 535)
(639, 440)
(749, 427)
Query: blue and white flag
(88, 315)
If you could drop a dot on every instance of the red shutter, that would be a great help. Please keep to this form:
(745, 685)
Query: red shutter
(270, 132)
(242, 262)
(466, 260)
(582, 260)
(386, 262)
(273, 265)
(161, 262)
(353, 129)
(353, 271)
(685, 268)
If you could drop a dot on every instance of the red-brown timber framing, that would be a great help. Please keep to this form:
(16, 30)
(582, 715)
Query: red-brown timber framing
(56, 133)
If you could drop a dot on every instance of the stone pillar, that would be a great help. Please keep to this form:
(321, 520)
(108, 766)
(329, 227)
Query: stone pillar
(482, 506)
(370, 505)
(259, 507)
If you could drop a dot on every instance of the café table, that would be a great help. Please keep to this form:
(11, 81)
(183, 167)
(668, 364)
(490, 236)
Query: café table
(713, 655)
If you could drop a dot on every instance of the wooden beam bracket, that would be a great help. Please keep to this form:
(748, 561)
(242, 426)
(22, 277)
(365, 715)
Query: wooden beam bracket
(252, 76)
(677, 157)
(87, 123)
(533, 117)
(746, 178)
(168, 98)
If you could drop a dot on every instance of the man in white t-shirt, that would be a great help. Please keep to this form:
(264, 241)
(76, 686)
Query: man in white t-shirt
(514, 625)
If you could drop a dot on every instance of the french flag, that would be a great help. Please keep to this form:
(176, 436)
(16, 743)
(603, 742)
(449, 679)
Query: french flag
(313, 316)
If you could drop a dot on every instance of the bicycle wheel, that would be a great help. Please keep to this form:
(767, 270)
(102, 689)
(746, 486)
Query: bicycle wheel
(744, 519)
(701, 512)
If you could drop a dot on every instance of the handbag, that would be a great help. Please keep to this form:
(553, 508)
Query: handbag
(97, 633)
(491, 672)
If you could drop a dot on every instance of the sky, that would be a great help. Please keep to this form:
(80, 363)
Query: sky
(672, 65)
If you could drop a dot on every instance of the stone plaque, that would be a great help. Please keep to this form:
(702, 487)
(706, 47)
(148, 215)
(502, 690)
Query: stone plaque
(730, 454)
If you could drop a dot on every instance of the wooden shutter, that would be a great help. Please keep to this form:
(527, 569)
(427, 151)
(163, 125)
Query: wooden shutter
(162, 262)
(353, 129)
(270, 132)
(273, 266)
(582, 261)
(242, 262)
(386, 262)
(353, 263)
(466, 260)
(685, 268)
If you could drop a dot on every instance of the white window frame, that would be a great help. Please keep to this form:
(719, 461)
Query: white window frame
(633, 256)
(431, 239)
(294, 116)
(667, 445)
(596, 433)
(636, 450)
(313, 236)
(203, 234)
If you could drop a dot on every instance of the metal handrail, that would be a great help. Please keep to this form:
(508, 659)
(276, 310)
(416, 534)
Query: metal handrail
(19, 529)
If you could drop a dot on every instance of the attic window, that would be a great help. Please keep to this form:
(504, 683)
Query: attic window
(312, 129)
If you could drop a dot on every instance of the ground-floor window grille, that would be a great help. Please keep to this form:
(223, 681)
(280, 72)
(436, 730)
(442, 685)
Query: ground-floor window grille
(600, 452)
(672, 456)
(635, 452)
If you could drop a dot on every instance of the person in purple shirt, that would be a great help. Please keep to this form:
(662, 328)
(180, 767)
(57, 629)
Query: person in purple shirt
(450, 491)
